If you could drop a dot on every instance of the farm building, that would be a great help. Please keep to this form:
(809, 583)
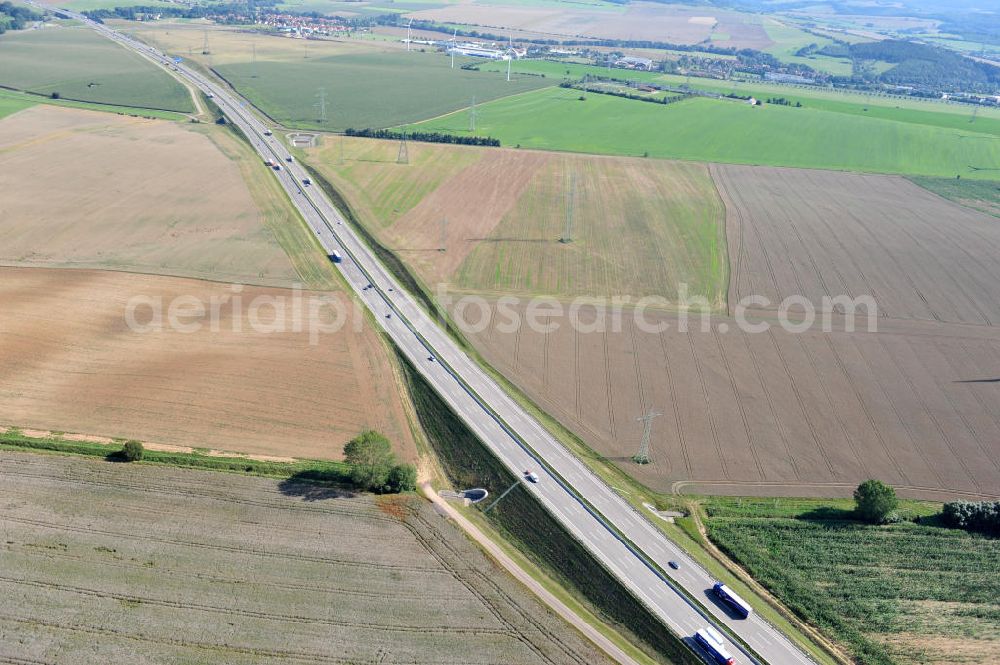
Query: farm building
(477, 51)
(630, 62)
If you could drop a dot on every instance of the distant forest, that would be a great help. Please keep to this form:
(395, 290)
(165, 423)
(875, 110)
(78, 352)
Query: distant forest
(920, 65)
(14, 17)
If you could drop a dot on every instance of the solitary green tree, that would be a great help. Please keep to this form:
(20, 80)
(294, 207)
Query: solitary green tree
(132, 451)
(371, 459)
(875, 501)
(403, 478)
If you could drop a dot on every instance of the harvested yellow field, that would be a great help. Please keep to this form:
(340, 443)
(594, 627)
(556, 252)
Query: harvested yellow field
(382, 190)
(228, 45)
(96, 190)
(638, 227)
(69, 361)
(654, 21)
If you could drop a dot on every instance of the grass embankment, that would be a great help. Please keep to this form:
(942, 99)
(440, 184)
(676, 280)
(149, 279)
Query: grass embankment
(81, 65)
(312, 470)
(525, 523)
(907, 592)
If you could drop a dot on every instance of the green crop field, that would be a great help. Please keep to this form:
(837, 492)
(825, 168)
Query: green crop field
(727, 131)
(378, 89)
(916, 111)
(788, 40)
(903, 593)
(79, 64)
(17, 100)
(982, 195)
(10, 105)
(637, 224)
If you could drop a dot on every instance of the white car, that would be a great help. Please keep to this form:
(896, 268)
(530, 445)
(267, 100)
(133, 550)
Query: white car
(531, 476)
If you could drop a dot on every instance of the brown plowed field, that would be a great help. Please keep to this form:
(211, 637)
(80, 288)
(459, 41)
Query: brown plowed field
(915, 404)
(783, 413)
(68, 362)
(775, 413)
(820, 233)
(111, 563)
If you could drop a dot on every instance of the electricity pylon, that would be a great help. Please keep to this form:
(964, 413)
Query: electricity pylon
(321, 104)
(642, 457)
(567, 235)
(403, 156)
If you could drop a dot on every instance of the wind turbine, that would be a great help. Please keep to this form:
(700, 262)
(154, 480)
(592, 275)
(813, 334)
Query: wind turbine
(509, 55)
(451, 49)
(408, 40)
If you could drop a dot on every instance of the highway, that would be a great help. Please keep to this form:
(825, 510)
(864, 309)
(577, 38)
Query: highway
(621, 537)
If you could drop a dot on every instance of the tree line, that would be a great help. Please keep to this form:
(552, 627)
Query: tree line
(369, 456)
(236, 9)
(982, 516)
(15, 17)
(425, 137)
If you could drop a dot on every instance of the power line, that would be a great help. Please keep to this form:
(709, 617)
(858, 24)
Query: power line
(567, 235)
(403, 157)
(642, 457)
(321, 104)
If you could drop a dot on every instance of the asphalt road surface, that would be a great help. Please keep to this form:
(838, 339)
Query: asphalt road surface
(622, 538)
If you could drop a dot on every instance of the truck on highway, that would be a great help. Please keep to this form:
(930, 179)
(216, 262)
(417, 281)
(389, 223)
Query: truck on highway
(711, 641)
(269, 163)
(733, 601)
(335, 256)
